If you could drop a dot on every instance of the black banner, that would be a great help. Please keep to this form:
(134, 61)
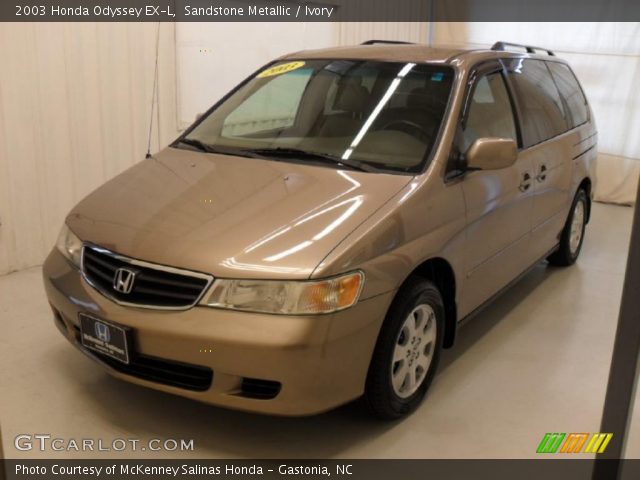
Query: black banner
(544, 468)
(319, 10)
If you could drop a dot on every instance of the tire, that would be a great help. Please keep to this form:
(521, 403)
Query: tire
(573, 233)
(389, 392)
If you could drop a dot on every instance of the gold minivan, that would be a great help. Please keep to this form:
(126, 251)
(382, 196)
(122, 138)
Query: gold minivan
(321, 232)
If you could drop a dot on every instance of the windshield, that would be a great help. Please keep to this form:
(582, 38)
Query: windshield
(382, 115)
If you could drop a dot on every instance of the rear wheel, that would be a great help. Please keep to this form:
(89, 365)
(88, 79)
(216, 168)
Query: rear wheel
(573, 233)
(407, 352)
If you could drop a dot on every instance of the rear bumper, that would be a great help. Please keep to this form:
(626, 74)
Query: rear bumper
(319, 362)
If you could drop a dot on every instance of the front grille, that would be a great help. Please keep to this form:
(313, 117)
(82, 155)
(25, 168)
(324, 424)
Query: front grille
(154, 286)
(159, 370)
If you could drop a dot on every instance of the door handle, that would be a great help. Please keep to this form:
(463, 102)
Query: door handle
(526, 182)
(542, 176)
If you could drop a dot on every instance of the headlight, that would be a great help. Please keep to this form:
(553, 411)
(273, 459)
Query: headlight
(69, 245)
(287, 297)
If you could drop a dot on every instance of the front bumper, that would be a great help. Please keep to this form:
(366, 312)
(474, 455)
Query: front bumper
(319, 361)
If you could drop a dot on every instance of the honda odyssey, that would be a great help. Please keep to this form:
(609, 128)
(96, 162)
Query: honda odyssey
(320, 233)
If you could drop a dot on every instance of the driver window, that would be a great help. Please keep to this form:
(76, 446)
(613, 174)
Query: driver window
(490, 112)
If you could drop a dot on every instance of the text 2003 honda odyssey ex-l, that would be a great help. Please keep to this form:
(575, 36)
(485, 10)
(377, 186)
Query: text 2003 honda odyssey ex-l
(320, 233)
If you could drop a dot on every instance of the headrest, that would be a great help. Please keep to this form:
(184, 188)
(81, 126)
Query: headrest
(426, 98)
(352, 96)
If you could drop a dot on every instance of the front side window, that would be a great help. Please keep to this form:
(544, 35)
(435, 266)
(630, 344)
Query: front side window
(489, 112)
(382, 115)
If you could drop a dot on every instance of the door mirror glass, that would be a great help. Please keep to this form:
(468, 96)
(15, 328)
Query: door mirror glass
(491, 154)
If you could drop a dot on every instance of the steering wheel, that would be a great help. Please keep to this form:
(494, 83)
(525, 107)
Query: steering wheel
(410, 128)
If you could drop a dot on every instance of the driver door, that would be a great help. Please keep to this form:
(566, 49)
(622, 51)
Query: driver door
(498, 202)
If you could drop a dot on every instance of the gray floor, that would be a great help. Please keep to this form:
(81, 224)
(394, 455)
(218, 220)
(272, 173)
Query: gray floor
(536, 361)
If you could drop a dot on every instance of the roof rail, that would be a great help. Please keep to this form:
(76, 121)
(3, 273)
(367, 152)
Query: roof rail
(391, 42)
(530, 49)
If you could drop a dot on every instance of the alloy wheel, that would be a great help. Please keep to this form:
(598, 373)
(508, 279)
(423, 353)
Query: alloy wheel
(414, 350)
(577, 227)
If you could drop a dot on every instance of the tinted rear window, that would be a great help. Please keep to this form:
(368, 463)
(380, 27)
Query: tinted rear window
(571, 92)
(542, 111)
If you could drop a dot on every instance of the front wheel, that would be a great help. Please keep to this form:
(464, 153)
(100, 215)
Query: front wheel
(573, 233)
(407, 352)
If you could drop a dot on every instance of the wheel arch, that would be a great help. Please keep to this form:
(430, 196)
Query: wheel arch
(439, 271)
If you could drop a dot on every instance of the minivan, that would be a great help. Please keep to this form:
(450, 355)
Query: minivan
(320, 234)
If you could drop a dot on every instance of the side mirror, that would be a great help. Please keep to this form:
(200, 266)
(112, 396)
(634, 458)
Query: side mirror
(491, 154)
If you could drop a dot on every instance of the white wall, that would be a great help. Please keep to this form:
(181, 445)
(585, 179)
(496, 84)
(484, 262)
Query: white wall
(606, 59)
(74, 112)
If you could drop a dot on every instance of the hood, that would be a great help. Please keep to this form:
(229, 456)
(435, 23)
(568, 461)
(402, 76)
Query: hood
(230, 216)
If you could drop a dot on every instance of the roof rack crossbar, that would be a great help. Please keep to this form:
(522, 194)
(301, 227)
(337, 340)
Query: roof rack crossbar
(501, 46)
(391, 42)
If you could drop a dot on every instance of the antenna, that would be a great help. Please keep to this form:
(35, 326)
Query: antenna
(153, 96)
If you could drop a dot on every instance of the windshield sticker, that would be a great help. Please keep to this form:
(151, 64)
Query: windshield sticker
(437, 77)
(280, 69)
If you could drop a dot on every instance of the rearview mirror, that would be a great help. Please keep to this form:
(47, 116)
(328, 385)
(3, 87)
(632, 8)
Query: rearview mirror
(491, 154)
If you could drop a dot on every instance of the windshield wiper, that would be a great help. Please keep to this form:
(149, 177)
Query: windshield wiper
(197, 144)
(277, 153)
(208, 148)
(281, 152)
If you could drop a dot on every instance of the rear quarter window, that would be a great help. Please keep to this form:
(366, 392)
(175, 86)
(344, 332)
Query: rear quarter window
(541, 107)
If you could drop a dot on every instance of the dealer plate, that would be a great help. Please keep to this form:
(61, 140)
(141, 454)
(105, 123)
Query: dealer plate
(105, 337)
